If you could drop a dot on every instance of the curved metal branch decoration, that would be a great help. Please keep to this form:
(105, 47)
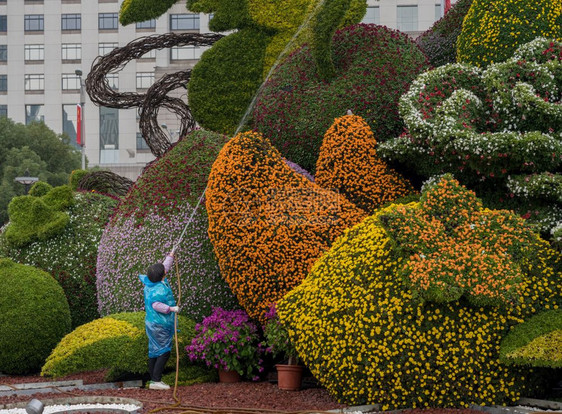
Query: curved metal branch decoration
(101, 93)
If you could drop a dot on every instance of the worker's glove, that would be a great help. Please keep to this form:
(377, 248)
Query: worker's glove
(174, 309)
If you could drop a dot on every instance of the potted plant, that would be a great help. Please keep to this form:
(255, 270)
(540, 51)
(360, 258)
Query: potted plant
(228, 341)
(289, 375)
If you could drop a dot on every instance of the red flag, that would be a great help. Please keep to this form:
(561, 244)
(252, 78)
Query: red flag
(79, 124)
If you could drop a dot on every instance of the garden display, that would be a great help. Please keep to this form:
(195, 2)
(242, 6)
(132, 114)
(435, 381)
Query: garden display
(496, 129)
(491, 30)
(148, 222)
(268, 224)
(374, 65)
(34, 317)
(409, 307)
(69, 254)
(117, 342)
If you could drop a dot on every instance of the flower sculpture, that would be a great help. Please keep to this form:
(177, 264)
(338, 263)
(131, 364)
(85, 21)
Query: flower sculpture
(365, 334)
(268, 223)
(497, 130)
(151, 219)
(348, 163)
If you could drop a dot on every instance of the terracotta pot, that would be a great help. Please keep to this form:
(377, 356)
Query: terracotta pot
(228, 376)
(289, 377)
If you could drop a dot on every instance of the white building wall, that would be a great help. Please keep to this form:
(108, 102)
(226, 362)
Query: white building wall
(126, 159)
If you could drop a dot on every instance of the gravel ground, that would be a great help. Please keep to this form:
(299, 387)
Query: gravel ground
(253, 397)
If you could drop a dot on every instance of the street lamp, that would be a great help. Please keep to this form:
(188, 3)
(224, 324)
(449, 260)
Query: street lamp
(80, 111)
(26, 180)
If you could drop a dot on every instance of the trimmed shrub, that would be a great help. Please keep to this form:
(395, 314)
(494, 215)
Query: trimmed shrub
(75, 178)
(140, 10)
(493, 129)
(368, 339)
(116, 341)
(40, 188)
(348, 163)
(34, 316)
(374, 66)
(150, 220)
(70, 257)
(439, 42)
(38, 218)
(268, 224)
(536, 342)
(492, 30)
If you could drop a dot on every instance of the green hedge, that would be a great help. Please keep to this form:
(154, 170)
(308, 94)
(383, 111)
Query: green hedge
(492, 29)
(34, 316)
(141, 10)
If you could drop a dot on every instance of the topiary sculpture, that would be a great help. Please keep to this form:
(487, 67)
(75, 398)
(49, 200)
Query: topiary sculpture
(150, 219)
(40, 188)
(537, 342)
(116, 342)
(226, 77)
(439, 42)
(492, 30)
(371, 336)
(106, 182)
(348, 163)
(268, 224)
(34, 316)
(374, 66)
(70, 257)
(497, 130)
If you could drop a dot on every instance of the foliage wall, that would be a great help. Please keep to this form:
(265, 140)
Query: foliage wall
(268, 224)
(70, 256)
(34, 316)
(497, 130)
(492, 30)
(374, 65)
(150, 220)
(371, 334)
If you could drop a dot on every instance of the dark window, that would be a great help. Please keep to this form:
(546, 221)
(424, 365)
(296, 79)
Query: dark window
(3, 53)
(141, 143)
(33, 22)
(3, 83)
(107, 21)
(3, 110)
(188, 21)
(3, 23)
(148, 24)
(71, 22)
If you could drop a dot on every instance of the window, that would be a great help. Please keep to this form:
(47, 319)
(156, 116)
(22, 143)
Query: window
(147, 24)
(407, 18)
(437, 12)
(34, 82)
(112, 80)
(70, 82)
(105, 48)
(185, 52)
(3, 23)
(69, 122)
(71, 22)
(3, 53)
(34, 113)
(189, 21)
(34, 52)
(3, 83)
(107, 21)
(3, 111)
(71, 51)
(145, 80)
(33, 23)
(141, 143)
(372, 16)
(109, 128)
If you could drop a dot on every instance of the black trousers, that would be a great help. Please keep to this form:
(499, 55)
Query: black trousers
(156, 366)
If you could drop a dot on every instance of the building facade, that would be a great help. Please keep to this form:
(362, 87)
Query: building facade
(45, 44)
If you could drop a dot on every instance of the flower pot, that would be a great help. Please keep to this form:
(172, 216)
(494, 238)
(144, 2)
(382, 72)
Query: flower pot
(228, 376)
(289, 377)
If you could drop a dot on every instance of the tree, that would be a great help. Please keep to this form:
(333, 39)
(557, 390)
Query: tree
(34, 148)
